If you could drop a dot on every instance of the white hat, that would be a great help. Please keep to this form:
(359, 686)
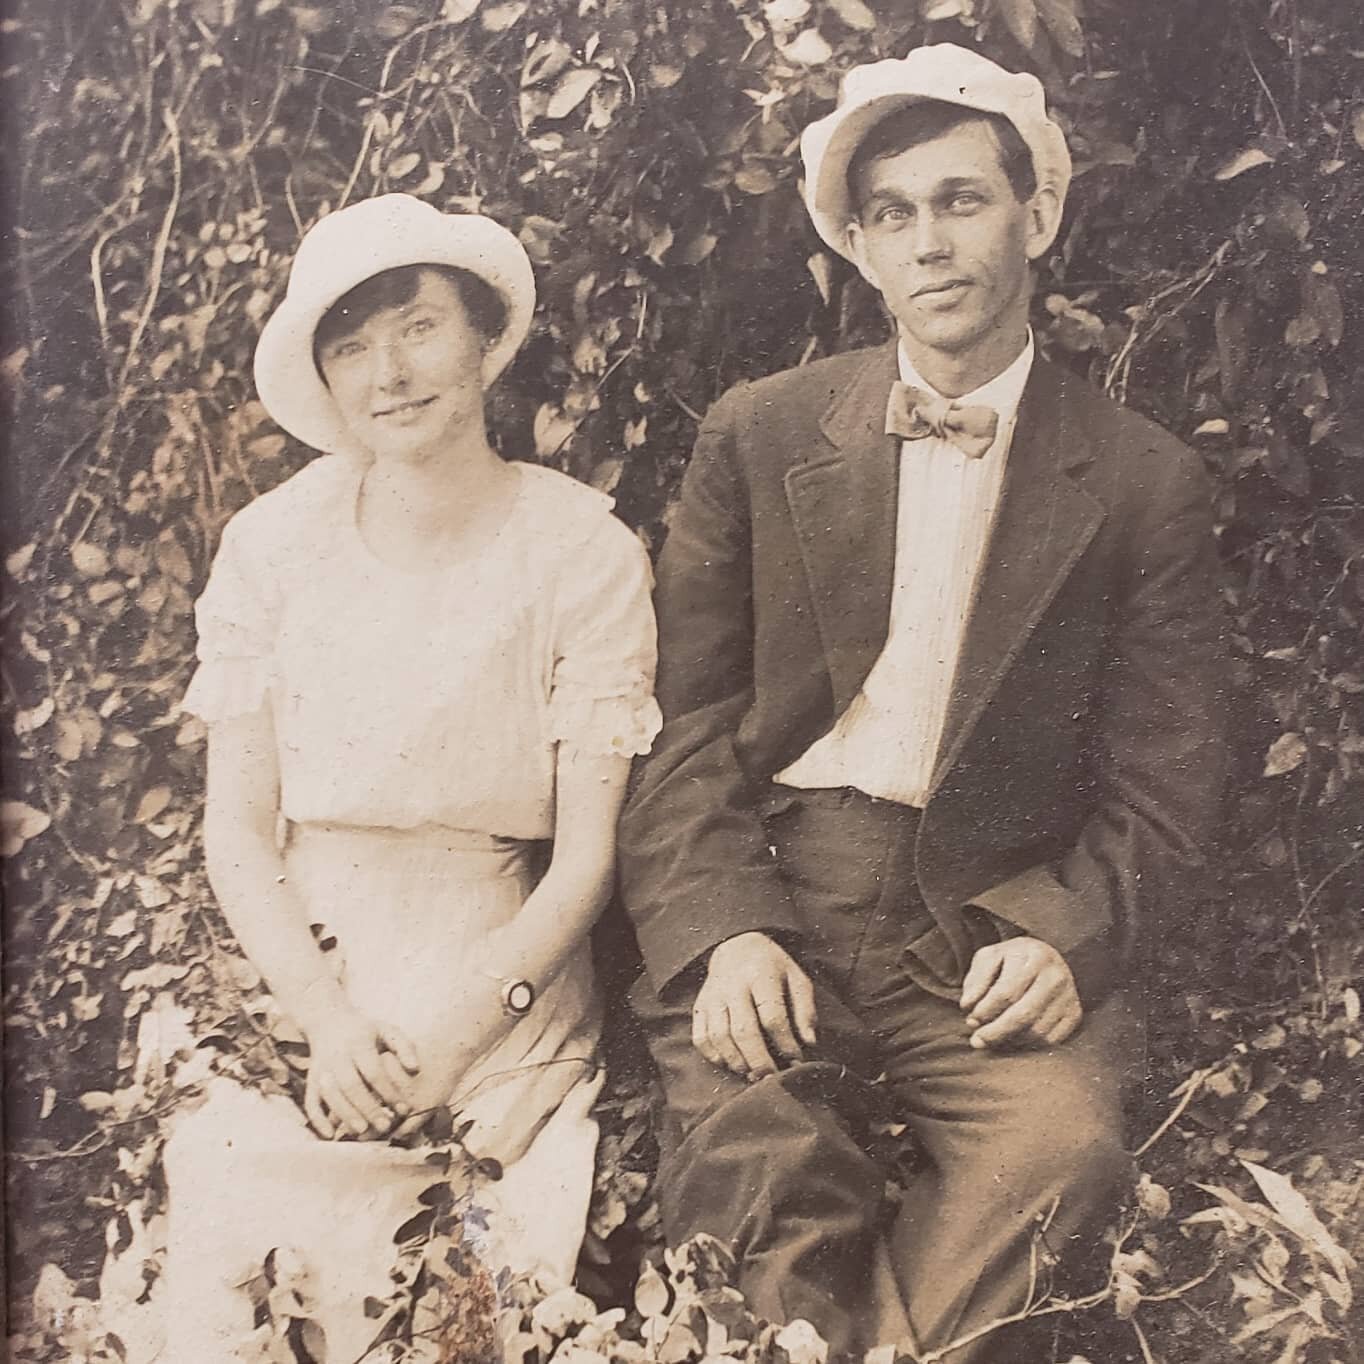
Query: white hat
(350, 246)
(943, 72)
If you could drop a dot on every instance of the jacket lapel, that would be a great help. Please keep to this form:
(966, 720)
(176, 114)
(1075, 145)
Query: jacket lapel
(843, 503)
(1044, 523)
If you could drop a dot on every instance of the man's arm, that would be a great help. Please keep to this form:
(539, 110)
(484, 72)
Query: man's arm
(1159, 768)
(696, 867)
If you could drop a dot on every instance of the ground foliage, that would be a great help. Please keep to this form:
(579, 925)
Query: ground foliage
(163, 157)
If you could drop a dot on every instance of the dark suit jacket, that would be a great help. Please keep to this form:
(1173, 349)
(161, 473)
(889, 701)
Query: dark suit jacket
(1080, 772)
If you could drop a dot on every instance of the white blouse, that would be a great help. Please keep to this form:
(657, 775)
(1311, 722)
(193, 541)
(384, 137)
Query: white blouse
(406, 698)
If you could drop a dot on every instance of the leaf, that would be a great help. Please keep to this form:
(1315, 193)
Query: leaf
(1322, 299)
(17, 562)
(152, 804)
(457, 11)
(1063, 24)
(755, 179)
(651, 1293)
(1286, 753)
(499, 18)
(553, 429)
(26, 721)
(802, 1343)
(855, 14)
(1246, 159)
(19, 824)
(122, 924)
(546, 61)
(809, 48)
(1296, 1214)
(573, 87)
(1021, 18)
(403, 165)
(697, 249)
(1357, 126)
(90, 560)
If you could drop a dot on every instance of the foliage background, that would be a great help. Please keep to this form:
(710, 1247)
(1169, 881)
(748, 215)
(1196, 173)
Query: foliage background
(162, 158)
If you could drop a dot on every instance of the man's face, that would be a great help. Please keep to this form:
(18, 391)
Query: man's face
(943, 237)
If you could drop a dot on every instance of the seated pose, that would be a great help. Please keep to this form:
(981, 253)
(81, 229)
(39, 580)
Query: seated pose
(940, 653)
(419, 662)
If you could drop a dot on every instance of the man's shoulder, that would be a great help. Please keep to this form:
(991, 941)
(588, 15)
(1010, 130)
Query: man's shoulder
(800, 394)
(1129, 455)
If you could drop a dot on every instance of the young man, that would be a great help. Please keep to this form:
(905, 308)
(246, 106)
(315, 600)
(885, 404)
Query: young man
(940, 650)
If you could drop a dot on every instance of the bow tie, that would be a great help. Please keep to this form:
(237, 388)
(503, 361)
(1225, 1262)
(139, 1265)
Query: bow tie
(913, 414)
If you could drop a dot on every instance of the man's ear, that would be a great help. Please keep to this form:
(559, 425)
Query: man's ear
(857, 250)
(1044, 221)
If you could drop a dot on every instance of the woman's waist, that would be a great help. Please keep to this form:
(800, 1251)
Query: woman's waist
(436, 849)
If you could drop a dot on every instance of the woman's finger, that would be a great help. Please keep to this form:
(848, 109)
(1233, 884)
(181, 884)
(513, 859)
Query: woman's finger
(373, 1069)
(351, 1103)
(315, 1112)
(397, 1042)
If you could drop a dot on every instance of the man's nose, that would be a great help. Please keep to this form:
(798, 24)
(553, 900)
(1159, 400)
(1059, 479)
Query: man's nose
(930, 241)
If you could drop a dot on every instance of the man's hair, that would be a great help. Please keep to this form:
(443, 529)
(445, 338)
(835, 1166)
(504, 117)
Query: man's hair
(916, 124)
(484, 306)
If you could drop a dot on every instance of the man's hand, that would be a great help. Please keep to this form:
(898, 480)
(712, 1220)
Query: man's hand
(754, 995)
(1020, 991)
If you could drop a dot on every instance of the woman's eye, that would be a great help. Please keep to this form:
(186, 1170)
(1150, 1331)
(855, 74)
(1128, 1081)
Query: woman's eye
(421, 326)
(347, 350)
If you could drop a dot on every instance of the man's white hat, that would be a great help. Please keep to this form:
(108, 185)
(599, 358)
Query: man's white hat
(943, 72)
(350, 246)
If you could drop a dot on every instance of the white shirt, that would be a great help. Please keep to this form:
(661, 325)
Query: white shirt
(886, 742)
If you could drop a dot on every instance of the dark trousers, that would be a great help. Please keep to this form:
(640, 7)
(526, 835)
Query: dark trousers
(1009, 1140)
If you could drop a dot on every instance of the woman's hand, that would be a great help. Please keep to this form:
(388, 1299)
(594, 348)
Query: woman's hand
(360, 1076)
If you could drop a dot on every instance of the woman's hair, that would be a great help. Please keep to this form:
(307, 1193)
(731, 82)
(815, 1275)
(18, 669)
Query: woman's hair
(920, 123)
(484, 306)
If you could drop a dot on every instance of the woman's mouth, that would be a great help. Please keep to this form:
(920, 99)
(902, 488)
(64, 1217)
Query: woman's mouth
(405, 409)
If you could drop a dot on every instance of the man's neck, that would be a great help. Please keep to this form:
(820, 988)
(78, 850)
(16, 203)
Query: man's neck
(953, 374)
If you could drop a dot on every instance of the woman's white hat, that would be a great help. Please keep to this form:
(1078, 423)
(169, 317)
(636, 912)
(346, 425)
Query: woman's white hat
(943, 72)
(350, 246)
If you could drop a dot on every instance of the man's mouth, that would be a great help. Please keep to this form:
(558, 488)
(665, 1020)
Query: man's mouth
(946, 286)
(403, 409)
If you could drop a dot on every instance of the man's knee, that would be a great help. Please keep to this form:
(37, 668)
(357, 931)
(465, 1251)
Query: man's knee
(1076, 1154)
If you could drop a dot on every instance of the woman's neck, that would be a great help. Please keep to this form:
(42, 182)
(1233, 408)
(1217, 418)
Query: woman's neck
(417, 512)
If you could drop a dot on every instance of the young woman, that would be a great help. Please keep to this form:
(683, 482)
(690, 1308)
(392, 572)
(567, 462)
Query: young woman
(418, 661)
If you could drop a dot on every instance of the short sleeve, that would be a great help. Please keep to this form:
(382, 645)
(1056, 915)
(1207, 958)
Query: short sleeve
(236, 618)
(606, 648)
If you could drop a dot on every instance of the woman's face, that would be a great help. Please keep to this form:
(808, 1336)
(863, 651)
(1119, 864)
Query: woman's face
(409, 376)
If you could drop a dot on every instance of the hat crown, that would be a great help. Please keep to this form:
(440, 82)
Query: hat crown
(369, 228)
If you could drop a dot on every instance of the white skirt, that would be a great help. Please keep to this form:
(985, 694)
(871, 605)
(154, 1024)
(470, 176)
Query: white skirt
(246, 1175)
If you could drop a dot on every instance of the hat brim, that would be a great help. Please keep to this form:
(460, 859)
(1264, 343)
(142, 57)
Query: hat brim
(287, 379)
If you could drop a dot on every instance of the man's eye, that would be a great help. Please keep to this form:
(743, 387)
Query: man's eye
(892, 213)
(966, 200)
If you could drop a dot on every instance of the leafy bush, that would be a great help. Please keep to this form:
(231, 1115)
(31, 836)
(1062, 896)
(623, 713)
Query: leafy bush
(170, 154)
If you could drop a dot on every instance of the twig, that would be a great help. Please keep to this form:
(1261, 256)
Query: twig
(1195, 1082)
(1146, 1354)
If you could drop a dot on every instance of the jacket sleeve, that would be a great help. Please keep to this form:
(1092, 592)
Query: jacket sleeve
(1158, 757)
(695, 863)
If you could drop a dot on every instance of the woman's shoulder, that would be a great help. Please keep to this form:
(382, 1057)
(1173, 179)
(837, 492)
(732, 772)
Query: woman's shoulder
(281, 519)
(571, 516)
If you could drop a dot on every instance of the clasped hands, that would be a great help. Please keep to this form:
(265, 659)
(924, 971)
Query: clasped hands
(756, 1009)
(366, 1080)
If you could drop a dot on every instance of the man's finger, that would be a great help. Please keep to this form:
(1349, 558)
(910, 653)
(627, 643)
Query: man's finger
(801, 994)
(727, 1052)
(776, 1023)
(747, 1034)
(1014, 981)
(1070, 1020)
(980, 975)
(1015, 1019)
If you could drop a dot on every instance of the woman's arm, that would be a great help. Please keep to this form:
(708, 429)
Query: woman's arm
(552, 924)
(356, 1069)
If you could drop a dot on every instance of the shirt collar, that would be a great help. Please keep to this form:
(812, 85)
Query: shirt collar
(1004, 392)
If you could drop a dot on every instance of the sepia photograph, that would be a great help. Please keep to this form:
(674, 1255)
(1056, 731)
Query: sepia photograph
(682, 683)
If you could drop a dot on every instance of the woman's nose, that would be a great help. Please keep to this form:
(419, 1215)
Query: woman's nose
(390, 367)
